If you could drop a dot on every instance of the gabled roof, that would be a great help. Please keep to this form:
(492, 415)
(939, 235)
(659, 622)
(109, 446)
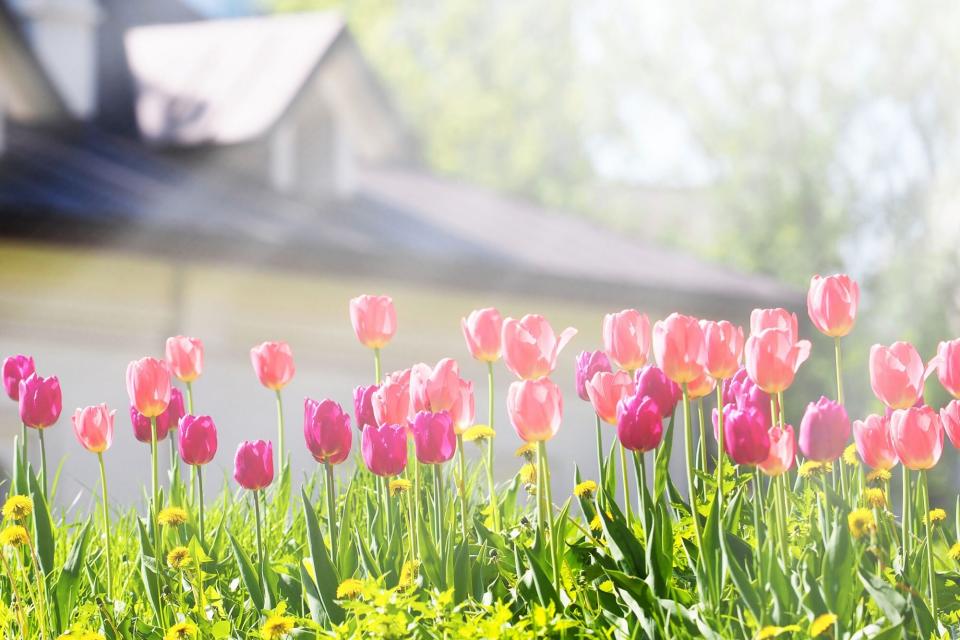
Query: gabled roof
(26, 91)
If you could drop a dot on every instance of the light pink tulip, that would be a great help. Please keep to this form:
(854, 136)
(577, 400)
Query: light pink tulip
(626, 338)
(772, 358)
(530, 347)
(947, 365)
(482, 330)
(783, 452)
(148, 385)
(185, 357)
(917, 436)
(872, 437)
(832, 304)
(950, 418)
(761, 319)
(605, 390)
(391, 402)
(374, 320)
(679, 348)
(535, 408)
(896, 374)
(93, 427)
(701, 387)
(273, 364)
(724, 342)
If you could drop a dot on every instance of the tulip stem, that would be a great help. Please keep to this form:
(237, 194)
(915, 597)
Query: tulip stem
(600, 474)
(156, 503)
(416, 503)
(688, 438)
(376, 365)
(200, 494)
(174, 460)
(189, 397)
(839, 361)
(462, 486)
(438, 499)
(640, 467)
(702, 445)
(43, 464)
(280, 429)
(260, 552)
(542, 454)
(23, 441)
(781, 509)
(106, 527)
(626, 485)
(720, 450)
(931, 570)
(905, 517)
(332, 510)
(494, 502)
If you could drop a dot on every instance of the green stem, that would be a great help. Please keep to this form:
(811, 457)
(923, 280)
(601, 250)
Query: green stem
(931, 571)
(23, 441)
(640, 468)
(905, 518)
(438, 499)
(839, 362)
(688, 438)
(376, 364)
(280, 439)
(702, 446)
(782, 515)
(43, 464)
(200, 493)
(757, 508)
(494, 502)
(721, 452)
(190, 398)
(106, 528)
(154, 465)
(416, 502)
(332, 510)
(626, 485)
(600, 474)
(542, 454)
(462, 486)
(260, 551)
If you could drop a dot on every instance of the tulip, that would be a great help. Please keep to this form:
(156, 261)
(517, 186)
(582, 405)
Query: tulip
(896, 374)
(606, 390)
(185, 357)
(639, 423)
(384, 449)
(442, 389)
(273, 364)
(746, 438)
(148, 385)
(535, 408)
(782, 452)
(374, 320)
(326, 429)
(872, 437)
(434, 437)
(679, 348)
(950, 418)
(198, 445)
(832, 304)
(589, 363)
(824, 430)
(701, 387)
(626, 338)
(391, 401)
(530, 347)
(761, 319)
(41, 401)
(652, 382)
(15, 369)
(743, 392)
(917, 436)
(772, 358)
(253, 470)
(363, 405)
(141, 426)
(482, 330)
(947, 364)
(724, 343)
(464, 409)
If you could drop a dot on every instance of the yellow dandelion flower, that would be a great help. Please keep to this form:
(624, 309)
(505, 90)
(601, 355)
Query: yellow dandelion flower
(181, 631)
(350, 589)
(399, 485)
(585, 489)
(860, 522)
(936, 515)
(596, 524)
(879, 475)
(172, 516)
(528, 473)
(478, 433)
(409, 573)
(821, 624)
(773, 632)
(850, 456)
(277, 627)
(91, 635)
(178, 558)
(17, 508)
(875, 497)
(14, 536)
(954, 551)
(812, 468)
(527, 450)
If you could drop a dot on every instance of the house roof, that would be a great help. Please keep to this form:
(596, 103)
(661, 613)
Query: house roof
(25, 90)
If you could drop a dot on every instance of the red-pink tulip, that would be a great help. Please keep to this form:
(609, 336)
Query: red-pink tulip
(950, 419)
(947, 365)
(724, 342)
(530, 347)
(917, 436)
(391, 401)
(197, 439)
(872, 437)
(653, 383)
(326, 429)
(535, 408)
(166, 421)
(832, 304)
(679, 347)
(482, 330)
(626, 338)
(253, 464)
(384, 449)
(363, 405)
(273, 364)
(701, 387)
(434, 437)
(896, 374)
(746, 439)
(374, 320)
(772, 358)
(148, 385)
(93, 427)
(761, 319)
(605, 390)
(41, 401)
(782, 452)
(639, 423)
(824, 430)
(185, 357)
(589, 363)
(15, 369)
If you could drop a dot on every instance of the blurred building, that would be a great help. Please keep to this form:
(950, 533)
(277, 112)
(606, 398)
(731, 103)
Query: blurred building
(240, 179)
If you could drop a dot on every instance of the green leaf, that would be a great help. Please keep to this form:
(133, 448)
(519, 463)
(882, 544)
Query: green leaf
(42, 527)
(885, 596)
(249, 575)
(661, 469)
(68, 583)
(624, 547)
(541, 579)
(148, 565)
(744, 586)
(323, 570)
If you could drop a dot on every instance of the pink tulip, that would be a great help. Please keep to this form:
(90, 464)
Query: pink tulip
(41, 401)
(326, 429)
(832, 304)
(589, 363)
(724, 342)
(746, 439)
(93, 427)
(950, 418)
(253, 465)
(439, 389)
(824, 430)
(742, 393)
(701, 387)
(391, 402)
(148, 385)
(917, 436)
(872, 437)
(896, 374)
(679, 347)
(761, 319)
(947, 364)
(482, 330)
(197, 439)
(653, 383)
(530, 348)
(772, 358)
(535, 408)
(15, 369)
(605, 390)
(782, 452)
(464, 410)
(384, 449)
(374, 320)
(166, 421)
(639, 423)
(626, 338)
(434, 437)
(185, 357)
(363, 405)
(273, 364)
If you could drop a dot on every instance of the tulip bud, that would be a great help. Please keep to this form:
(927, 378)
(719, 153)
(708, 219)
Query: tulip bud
(530, 347)
(273, 364)
(824, 430)
(832, 304)
(384, 449)
(896, 374)
(15, 369)
(605, 391)
(326, 429)
(917, 436)
(872, 437)
(589, 363)
(148, 385)
(639, 423)
(782, 452)
(197, 439)
(482, 330)
(93, 427)
(679, 347)
(374, 320)
(185, 357)
(41, 401)
(253, 464)
(626, 338)
(434, 437)
(535, 408)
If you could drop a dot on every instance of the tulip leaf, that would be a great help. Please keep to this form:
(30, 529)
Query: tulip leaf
(68, 583)
(661, 467)
(323, 569)
(148, 569)
(744, 586)
(249, 575)
(42, 527)
(885, 596)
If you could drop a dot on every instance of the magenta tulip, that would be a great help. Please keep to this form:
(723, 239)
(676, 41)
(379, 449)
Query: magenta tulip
(652, 382)
(746, 439)
(253, 464)
(639, 423)
(589, 363)
(384, 449)
(434, 437)
(41, 401)
(197, 439)
(363, 405)
(824, 430)
(15, 369)
(326, 429)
